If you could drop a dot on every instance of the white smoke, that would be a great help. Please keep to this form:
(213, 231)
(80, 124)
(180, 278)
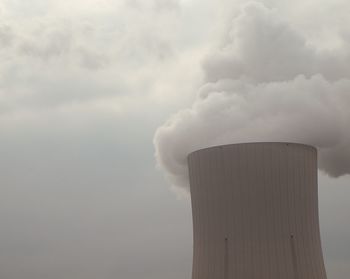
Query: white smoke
(267, 83)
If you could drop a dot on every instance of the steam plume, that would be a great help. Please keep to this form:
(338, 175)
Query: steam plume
(266, 84)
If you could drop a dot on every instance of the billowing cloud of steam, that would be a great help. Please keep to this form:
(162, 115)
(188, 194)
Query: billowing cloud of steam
(267, 83)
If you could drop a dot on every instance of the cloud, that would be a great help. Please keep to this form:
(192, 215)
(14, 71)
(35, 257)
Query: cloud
(266, 83)
(167, 5)
(263, 47)
(49, 62)
(6, 36)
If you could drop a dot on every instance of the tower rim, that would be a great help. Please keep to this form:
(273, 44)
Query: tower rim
(308, 146)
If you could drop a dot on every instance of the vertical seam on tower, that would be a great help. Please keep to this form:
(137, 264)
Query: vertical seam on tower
(294, 257)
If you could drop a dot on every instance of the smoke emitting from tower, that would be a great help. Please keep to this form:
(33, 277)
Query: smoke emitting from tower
(255, 212)
(267, 82)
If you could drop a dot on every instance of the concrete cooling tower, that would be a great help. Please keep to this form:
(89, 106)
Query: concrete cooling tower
(255, 212)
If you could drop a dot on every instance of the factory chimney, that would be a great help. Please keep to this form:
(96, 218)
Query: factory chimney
(255, 212)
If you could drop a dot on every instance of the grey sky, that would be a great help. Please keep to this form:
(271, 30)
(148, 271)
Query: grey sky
(83, 87)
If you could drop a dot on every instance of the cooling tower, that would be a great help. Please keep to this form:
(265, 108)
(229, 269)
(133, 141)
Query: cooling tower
(255, 212)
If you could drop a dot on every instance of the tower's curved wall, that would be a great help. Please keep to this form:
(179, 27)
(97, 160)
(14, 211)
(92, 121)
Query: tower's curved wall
(255, 212)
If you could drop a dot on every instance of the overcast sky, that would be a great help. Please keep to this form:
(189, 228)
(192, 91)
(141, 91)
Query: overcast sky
(84, 85)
